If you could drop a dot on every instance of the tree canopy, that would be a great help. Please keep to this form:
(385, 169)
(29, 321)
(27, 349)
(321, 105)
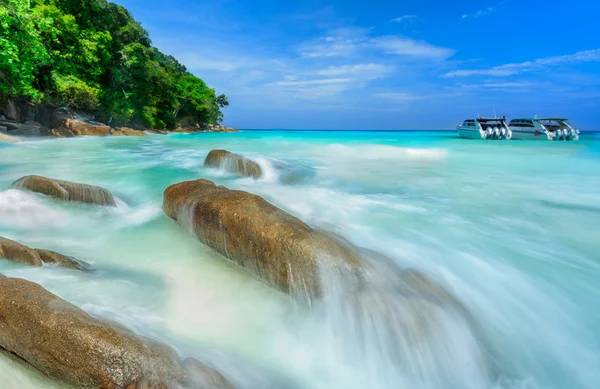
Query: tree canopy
(91, 55)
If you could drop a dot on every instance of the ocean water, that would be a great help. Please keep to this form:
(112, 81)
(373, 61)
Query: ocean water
(511, 229)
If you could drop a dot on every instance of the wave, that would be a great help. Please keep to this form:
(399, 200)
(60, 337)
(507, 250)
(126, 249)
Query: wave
(25, 210)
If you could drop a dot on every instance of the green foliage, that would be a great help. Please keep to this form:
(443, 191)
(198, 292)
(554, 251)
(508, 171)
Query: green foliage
(75, 93)
(92, 55)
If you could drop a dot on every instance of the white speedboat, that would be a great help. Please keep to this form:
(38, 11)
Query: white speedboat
(484, 128)
(543, 129)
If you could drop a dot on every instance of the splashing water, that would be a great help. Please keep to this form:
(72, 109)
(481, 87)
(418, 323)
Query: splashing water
(509, 229)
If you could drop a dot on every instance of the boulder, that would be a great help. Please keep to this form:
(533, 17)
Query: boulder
(183, 130)
(17, 252)
(269, 243)
(8, 138)
(124, 131)
(10, 109)
(160, 132)
(61, 132)
(219, 128)
(64, 342)
(51, 257)
(233, 163)
(65, 190)
(86, 128)
(29, 128)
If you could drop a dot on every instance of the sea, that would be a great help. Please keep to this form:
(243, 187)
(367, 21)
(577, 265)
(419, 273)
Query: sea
(510, 228)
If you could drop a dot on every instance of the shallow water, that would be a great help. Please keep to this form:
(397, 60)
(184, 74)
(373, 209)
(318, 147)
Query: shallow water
(510, 228)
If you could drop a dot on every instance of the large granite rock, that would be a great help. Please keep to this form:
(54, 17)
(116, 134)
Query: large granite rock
(17, 252)
(233, 163)
(11, 250)
(66, 343)
(86, 128)
(219, 128)
(124, 131)
(271, 244)
(65, 190)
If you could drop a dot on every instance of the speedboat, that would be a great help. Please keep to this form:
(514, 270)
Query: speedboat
(543, 129)
(484, 128)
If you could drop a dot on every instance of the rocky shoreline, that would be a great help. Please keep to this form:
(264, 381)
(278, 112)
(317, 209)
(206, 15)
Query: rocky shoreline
(63, 123)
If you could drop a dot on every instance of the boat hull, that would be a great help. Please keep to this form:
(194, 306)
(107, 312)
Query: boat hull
(471, 133)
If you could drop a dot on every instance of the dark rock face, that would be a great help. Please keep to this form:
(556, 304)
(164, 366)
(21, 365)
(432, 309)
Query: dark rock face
(29, 128)
(65, 190)
(17, 252)
(269, 243)
(66, 343)
(233, 163)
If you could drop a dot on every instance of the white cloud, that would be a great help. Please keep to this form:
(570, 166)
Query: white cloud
(403, 18)
(410, 47)
(328, 81)
(529, 66)
(397, 96)
(351, 41)
(479, 13)
(364, 71)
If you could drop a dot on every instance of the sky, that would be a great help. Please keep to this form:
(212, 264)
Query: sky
(373, 64)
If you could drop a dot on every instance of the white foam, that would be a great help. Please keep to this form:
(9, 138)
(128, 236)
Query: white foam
(22, 209)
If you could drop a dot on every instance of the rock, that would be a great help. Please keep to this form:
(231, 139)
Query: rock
(64, 342)
(65, 190)
(269, 243)
(219, 128)
(8, 138)
(10, 109)
(233, 163)
(124, 131)
(2, 117)
(61, 132)
(198, 375)
(29, 128)
(51, 257)
(86, 128)
(17, 252)
(183, 130)
(161, 132)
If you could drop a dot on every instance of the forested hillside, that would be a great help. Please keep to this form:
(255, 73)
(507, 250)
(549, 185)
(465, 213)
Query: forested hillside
(92, 56)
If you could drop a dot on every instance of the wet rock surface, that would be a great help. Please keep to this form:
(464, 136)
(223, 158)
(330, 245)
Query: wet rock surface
(65, 190)
(271, 244)
(64, 342)
(233, 163)
(17, 252)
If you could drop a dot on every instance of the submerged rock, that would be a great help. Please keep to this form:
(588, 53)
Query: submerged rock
(17, 252)
(269, 243)
(124, 131)
(233, 163)
(65, 190)
(64, 342)
(8, 138)
(198, 375)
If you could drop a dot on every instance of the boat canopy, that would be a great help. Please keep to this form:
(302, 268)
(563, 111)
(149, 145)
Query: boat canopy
(485, 120)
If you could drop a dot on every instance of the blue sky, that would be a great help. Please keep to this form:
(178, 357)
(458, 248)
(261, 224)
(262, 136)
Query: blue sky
(385, 64)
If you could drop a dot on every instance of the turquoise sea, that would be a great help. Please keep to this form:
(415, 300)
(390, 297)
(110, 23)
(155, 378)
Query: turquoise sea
(511, 228)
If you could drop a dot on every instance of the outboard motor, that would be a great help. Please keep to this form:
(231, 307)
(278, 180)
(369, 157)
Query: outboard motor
(559, 135)
(497, 132)
(509, 134)
(573, 134)
(503, 132)
(490, 133)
